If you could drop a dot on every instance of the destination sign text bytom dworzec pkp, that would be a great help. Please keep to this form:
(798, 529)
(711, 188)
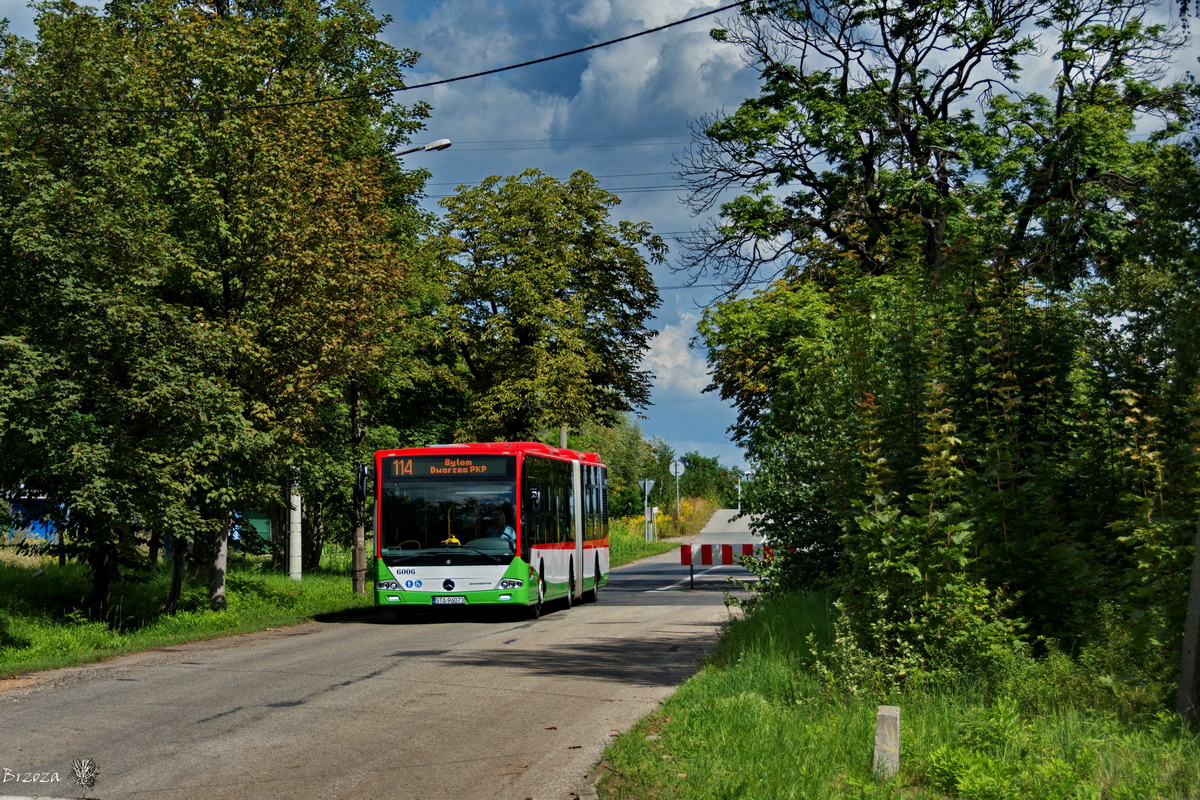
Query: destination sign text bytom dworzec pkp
(447, 466)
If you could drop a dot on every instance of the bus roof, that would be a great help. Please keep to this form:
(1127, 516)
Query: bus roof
(497, 448)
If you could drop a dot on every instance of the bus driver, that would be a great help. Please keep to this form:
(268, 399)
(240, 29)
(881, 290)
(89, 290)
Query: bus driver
(500, 528)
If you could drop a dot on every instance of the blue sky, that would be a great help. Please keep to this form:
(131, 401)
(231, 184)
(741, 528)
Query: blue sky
(622, 113)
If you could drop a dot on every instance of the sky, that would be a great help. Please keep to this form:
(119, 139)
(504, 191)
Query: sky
(624, 113)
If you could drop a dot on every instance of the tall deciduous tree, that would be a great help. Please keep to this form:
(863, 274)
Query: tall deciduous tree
(213, 266)
(548, 303)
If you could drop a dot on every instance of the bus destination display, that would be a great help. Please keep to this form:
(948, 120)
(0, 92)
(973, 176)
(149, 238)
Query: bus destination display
(475, 466)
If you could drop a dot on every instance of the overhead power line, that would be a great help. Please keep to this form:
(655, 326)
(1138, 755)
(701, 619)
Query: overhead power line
(552, 145)
(380, 92)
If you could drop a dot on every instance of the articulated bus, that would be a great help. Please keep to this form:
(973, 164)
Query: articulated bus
(507, 523)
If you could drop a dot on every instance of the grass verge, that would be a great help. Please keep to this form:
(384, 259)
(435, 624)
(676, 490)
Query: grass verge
(627, 535)
(41, 628)
(758, 722)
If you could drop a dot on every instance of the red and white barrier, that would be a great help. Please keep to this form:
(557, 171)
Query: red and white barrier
(716, 554)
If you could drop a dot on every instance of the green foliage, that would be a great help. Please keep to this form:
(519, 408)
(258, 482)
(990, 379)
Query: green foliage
(705, 477)
(186, 289)
(547, 303)
(760, 721)
(969, 395)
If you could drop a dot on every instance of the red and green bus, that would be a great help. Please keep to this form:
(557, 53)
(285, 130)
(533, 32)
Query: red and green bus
(502, 523)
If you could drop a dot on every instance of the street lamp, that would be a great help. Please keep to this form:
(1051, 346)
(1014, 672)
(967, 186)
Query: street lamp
(439, 144)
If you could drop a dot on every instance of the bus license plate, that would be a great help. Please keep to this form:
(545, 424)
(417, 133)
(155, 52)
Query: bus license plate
(449, 601)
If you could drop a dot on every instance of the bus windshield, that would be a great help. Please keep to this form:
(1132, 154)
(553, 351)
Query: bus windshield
(467, 520)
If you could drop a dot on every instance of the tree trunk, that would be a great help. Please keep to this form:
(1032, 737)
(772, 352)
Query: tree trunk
(315, 540)
(1188, 704)
(279, 533)
(178, 561)
(104, 569)
(154, 546)
(220, 562)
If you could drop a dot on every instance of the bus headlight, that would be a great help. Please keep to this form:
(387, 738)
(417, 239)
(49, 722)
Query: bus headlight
(385, 585)
(511, 583)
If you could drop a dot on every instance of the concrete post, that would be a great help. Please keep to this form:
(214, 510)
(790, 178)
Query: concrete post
(887, 742)
(647, 485)
(294, 542)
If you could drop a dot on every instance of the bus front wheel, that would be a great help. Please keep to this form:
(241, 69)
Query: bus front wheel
(535, 610)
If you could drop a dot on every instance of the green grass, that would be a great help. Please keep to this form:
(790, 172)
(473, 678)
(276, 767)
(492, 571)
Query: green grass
(759, 722)
(628, 543)
(41, 626)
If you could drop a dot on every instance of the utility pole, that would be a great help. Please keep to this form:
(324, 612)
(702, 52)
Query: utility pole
(358, 567)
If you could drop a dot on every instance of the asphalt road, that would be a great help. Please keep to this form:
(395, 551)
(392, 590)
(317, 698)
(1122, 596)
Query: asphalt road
(461, 705)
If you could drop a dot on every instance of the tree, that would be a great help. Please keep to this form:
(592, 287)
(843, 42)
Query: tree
(959, 389)
(213, 270)
(547, 304)
(704, 477)
(624, 452)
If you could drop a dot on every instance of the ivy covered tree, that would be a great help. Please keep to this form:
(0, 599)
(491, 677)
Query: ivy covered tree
(967, 391)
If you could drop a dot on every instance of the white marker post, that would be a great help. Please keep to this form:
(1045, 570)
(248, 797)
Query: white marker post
(294, 539)
(887, 742)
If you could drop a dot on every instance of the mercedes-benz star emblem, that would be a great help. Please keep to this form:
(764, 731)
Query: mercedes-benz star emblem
(448, 585)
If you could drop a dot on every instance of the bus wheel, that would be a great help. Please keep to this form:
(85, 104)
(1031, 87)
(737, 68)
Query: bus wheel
(535, 610)
(594, 595)
(571, 586)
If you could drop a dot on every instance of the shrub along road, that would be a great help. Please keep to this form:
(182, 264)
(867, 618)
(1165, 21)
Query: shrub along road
(454, 706)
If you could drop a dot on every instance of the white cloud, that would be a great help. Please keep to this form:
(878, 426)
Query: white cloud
(656, 81)
(678, 369)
